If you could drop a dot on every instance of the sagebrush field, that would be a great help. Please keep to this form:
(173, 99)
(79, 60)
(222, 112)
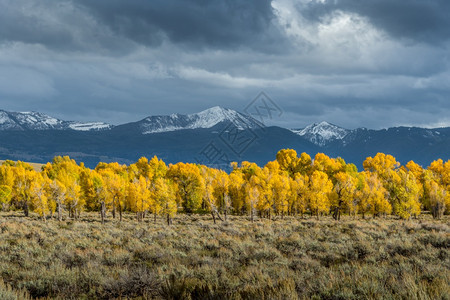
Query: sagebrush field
(290, 258)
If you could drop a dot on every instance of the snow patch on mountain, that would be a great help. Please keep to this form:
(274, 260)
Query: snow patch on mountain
(204, 119)
(39, 121)
(322, 133)
(6, 122)
(211, 117)
(89, 126)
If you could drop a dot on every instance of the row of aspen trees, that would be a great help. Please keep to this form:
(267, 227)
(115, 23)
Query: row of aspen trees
(291, 185)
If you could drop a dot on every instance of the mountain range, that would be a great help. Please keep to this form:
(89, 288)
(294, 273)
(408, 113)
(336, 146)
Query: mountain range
(215, 137)
(40, 121)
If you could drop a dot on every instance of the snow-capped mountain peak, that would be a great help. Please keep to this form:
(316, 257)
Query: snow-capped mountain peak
(40, 121)
(36, 120)
(322, 133)
(212, 116)
(205, 119)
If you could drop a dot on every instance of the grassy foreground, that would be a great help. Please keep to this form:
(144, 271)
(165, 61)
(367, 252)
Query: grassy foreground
(289, 258)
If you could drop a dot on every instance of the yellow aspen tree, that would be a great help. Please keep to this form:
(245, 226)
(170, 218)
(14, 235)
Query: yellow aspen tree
(5, 196)
(446, 185)
(437, 167)
(144, 196)
(6, 185)
(157, 172)
(439, 199)
(381, 164)
(158, 191)
(115, 177)
(288, 161)
(406, 195)
(158, 167)
(62, 164)
(385, 167)
(371, 195)
(252, 176)
(115, 180)
(24, 178)
(6, 175)
(209, 198)
(190, 185)
(345, 189)
(261, 180)
(329, 166)
(319, 190)
(419, 174)
(170, 205)
(446, 175)
(237, 192)
(39, 198)
(101, 194)
(272, 197)
(163, 201)
(139, 197)
(67, 172)
(119, 190)
(416, 169)
(133, 172)
(144, 169)
(363, 193)
(281, 193)
(57, 193)
(73, 200)
(132, 196)
(441, 174)
(299, 194)
(88, 189)
(377, 197)
(221, 185)
(304, 165)
(253, 196)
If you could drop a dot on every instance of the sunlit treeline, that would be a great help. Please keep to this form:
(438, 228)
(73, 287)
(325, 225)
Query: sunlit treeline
(289, 185)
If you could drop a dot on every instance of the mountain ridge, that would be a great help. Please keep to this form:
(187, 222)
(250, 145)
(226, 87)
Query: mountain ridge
(33, 136)
(320, 133)
(39, 121)
(204, 119)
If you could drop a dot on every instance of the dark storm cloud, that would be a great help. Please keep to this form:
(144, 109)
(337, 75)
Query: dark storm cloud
(197, 23)
(56, 25)
(118, 26)
(18, 25)
(417, 20)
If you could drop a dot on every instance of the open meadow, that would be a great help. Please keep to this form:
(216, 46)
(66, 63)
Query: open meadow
(289, 258)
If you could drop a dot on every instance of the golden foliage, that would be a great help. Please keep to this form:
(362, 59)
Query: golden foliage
(290, 185)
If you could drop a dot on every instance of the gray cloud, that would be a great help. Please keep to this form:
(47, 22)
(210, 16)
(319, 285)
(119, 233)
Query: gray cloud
(376, 64)
(415, 20)
(196, 23)
(60, 26)
(115, 26)
(20, 23)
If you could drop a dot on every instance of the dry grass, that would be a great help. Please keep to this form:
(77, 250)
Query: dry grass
(195, 259)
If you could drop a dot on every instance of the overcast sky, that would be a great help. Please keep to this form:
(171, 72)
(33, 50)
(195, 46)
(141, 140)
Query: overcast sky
(354, 63)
